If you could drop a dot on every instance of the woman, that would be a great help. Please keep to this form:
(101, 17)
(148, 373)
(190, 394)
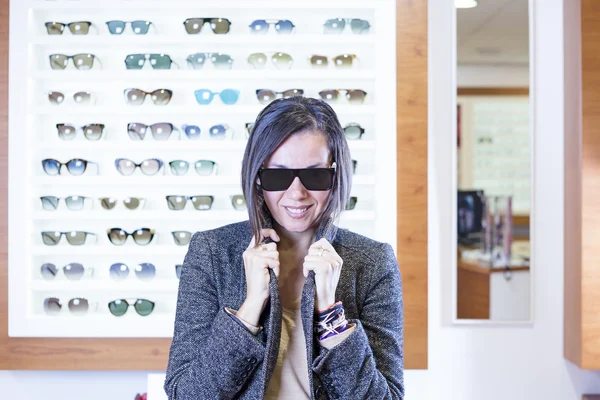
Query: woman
(257, 315)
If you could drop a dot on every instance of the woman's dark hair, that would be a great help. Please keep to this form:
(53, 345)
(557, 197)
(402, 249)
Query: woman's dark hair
(278, 121)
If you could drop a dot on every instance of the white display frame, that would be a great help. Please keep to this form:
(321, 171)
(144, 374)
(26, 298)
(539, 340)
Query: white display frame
(30, 73)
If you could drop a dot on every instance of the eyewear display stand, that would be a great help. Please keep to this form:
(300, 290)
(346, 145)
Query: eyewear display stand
(355, 48)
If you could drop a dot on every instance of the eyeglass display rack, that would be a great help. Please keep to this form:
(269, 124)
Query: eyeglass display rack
(33, 137)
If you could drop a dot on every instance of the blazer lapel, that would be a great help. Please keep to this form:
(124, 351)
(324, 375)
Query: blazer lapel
(273, 332)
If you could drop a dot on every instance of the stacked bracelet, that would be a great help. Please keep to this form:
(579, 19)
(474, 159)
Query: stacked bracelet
(331, 322)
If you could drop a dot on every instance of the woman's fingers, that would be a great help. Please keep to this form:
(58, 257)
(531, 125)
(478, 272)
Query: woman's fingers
(269, 233)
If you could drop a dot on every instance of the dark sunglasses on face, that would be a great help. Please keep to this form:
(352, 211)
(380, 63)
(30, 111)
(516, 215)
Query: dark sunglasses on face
(136, 97)
(139, 27)
(220, 26)
(157, 61)
(80, 61)
(282, 26)
(142, 236)
(76, 166)
(74, 238)
(72, 202)
(160, 130)
(76, 28)
(119, 307)
(149, 167)
(279, 179)
(90, 131)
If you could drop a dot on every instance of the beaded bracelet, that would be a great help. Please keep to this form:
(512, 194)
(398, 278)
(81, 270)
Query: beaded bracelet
(331, 322)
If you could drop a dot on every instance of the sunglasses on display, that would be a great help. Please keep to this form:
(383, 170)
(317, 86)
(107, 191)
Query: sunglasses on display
(130, 203)
(74, 238)
(261, 26)
(265, 96)
(238, 202)
(90, 131)
(57, 98)
(354, 96)
(181, 238)
(219, 60)
(77, 306)
(160, 131)
(354, 165)
(353, 131)
(218, 131)
(72, 271)
(76, 166)
(136, 97)
(143, 271)
(76, 28)
(176, 202)
(82, 61)
(280, 179)
(139, 27)
(178, 268)
(119, 307)
(279, 60)
(249, 126)
(228, 96)
(156, 61)
(337, 25)
(73, 203)
(341, 61)
(148, 167)
(202, 167)
(351, 203)
(142, 236)
(220, 26)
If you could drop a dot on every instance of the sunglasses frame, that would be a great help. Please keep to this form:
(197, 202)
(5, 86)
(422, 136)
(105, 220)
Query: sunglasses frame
(185, 240)
(296, 172)
(80, 129)
(91, 101)
(199, 92)
(94, 58)
(270, 22)
(348, 94)
(141, 200)
(68, 25)
(137, 271)
(57, 200)
(298, 92)
(172, 197)
(60, 165)
(149, 24)
(353, 58)
(70, 305)
(208, 57)
(354, 125)
(147, 57)
(86, 234)
(236, 204)
(132, 234)
(136, 165)
(145, 94)
(187, 167)
(56, 270)
(347, 21)
(272, 55)
(134, 304)
(152, 127)
(202, 21)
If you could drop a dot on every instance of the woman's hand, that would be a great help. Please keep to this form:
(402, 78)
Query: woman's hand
(327, 264)
(257, 261)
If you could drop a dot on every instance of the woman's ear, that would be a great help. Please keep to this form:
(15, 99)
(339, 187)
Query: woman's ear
(258, 186)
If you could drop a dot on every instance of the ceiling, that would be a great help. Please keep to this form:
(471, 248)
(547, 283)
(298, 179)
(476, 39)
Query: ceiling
(496, 32)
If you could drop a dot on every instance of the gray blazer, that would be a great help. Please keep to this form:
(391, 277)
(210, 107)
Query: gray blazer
(214, 357)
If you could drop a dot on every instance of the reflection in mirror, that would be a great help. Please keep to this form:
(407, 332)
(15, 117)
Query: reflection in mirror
(493, 274)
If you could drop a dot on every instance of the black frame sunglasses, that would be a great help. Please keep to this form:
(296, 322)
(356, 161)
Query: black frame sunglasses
(280, 179)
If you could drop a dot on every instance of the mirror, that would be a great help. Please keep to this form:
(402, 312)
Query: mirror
(493, 155)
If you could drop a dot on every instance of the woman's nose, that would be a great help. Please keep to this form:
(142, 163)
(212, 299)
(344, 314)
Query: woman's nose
(297, 189)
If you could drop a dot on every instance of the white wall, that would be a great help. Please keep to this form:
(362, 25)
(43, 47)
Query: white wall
(465, 362)
(472, 75)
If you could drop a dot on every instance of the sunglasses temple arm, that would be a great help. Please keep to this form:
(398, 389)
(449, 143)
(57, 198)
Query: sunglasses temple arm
(153, 27)
(94, 235)
(97, 166)
(173, 62)
(99, 62)
(95, 28)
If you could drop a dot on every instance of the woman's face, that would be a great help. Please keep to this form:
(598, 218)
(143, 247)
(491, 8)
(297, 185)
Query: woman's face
(297, 209)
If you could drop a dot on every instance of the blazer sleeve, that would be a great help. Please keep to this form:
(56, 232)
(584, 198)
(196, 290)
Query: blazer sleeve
(211, 356)
(369, 363)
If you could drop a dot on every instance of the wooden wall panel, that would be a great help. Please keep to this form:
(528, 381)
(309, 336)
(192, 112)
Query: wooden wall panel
(152, 354)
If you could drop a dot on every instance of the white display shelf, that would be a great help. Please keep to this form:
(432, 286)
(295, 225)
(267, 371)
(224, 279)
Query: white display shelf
(116, 251)
(129, 284)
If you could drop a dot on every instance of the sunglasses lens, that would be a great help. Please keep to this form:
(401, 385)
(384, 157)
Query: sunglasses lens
(318, 61)
(51, 167)
(144, 307)
(196, 60)
(145, 271)
(222, 61)
(282, 60)
(220, 25)
(218, 131)
(58, 61)
(191, 131)
(134, 97)
(335, 25)
(284, 26)
(75, 202)
(238, 202)
(151, 166)
(132, 203)
(140, 27)
(161, 97)
(135, 61)
(257, 60)
(119, 271)
(178, 268)
(93, 131)
(56, 97)
(352, 203)
(118, 307)
(265, 96)
(84, 61)
(48, 271)
(229, 96)
(136, 131)
(161, 131)
(276, 179)
(117, 236)
(204, 167)
(359, 26)
(292, 92)
(329, 95)
(82, 97)
(316, 178)
(259, 27)
(116, 27)
(51, 238)
(202, 202)
(125, 166)
(108, 203)
(356, 96)
(74, 271)
(353, 131)
(179, 167)
(160, 61)
(52, 306)
(176, 202)
(182, 238)
(78, 306)
(203, 96)
(76, 238)
(344, 60)
(79, 28)
(66, 132)
(193, 26)
(76, 166)
(49, 202)
(143, 236)
(55, 28)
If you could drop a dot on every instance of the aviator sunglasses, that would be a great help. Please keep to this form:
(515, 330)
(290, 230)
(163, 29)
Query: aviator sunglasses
(280, 179)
